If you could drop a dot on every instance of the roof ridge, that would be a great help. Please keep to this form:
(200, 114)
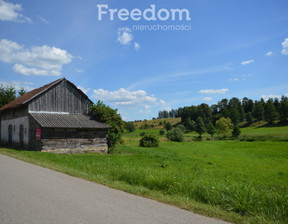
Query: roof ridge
(30, 95)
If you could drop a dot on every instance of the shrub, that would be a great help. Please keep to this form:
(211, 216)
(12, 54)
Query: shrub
(106, 114)
(182, 127)
(176, 135)
(236, 132)
(224, 126)
(161, 132)
(168, 126)
(142, 133)
(130, 126)
(149, 141)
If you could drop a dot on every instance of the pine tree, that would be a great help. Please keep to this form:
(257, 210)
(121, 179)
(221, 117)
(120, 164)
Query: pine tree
(236, 131)
(283, 114)
(200, 127)
(249, 118)
(271, 113)
(259, 111)
(211, 130)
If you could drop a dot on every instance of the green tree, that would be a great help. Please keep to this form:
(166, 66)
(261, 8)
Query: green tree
(190, 124)
(211, 130)
(106, 114)
(182, 127)
(271, 113)
(21, 92)
(130, 126)
(200, 127)
(175, 134)
(283, 109)
(7, 94)
(235, 116)
(259, 111)
(168, 126)
(249, 118)
(224, 126)
(236, 131)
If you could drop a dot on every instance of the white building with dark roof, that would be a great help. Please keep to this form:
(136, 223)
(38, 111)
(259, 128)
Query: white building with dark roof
(54, 118)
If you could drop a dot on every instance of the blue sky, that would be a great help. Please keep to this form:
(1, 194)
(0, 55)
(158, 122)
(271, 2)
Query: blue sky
(230, 48)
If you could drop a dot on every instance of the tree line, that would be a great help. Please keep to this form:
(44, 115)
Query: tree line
(9, 93)
(272, 110)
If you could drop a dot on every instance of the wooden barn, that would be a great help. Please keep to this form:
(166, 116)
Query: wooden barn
(52, 118)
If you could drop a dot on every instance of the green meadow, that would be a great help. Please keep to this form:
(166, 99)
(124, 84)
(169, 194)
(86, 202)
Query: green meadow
(238, 181)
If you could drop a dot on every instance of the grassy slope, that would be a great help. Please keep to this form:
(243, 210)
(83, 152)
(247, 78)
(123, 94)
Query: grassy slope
(237, 181)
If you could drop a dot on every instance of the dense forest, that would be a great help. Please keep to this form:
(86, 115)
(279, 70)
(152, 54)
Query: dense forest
(245, 110)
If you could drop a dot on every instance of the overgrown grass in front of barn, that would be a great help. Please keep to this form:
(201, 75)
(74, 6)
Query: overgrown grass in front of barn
(239, 181)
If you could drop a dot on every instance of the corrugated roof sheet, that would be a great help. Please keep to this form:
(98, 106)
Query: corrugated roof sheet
(52, 120)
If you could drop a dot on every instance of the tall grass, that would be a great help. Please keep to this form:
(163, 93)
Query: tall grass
(245, 178)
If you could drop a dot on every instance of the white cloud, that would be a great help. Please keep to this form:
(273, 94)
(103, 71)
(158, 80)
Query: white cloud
(269, 53)
(18, 85)
(247, 75)
(10, 12)
(273, 96)
(42, 60)
(79, 70)
(136, 46)
(21, 69)
(162, 102)
(235, 79)
(207, 98)
(124, 35)
(214, 91)
(138, 101)
(247, 62)
(285, 46)
(123, 97)
(146, 112)
(83, 89)
(43, 19)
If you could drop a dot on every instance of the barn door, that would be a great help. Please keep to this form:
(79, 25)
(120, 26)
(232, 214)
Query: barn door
(10, 134)
(21, 133)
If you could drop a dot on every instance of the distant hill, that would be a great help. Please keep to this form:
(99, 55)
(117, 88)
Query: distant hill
(156, 123)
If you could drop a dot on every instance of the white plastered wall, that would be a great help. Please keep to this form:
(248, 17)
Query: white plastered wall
(16, 122)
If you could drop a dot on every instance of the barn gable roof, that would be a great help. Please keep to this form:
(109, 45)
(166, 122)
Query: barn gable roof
(62, 120)
(34, 93)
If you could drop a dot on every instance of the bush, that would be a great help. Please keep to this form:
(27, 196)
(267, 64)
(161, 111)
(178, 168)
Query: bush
(236, 132)
(176, 135)
(106, 114)
(161, 132)
(168, 126)
(130, 126)
(149, 141)
(182, 127)
(142, 133)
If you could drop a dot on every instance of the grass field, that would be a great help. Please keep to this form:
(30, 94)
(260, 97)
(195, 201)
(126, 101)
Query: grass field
(238, 181)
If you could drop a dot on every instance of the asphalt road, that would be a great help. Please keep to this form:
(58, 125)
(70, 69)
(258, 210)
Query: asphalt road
(31, 194)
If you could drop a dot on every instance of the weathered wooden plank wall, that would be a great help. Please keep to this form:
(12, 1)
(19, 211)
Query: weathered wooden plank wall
(62, 97)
